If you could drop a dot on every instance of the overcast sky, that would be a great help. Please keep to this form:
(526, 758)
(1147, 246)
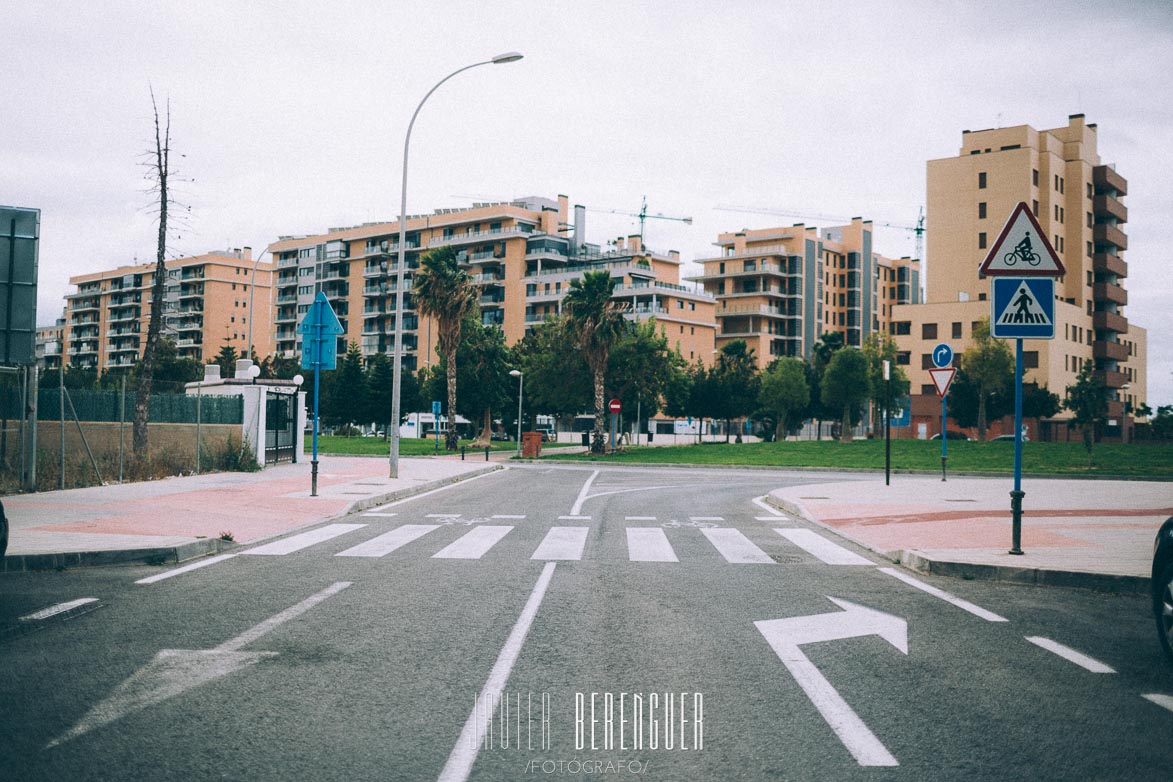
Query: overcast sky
(291, 116)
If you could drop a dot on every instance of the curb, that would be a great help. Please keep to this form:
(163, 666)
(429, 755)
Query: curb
(971, 571)
(18, 563)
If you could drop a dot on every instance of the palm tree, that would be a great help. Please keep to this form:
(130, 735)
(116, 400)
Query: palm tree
(445, 293)
(596, 323)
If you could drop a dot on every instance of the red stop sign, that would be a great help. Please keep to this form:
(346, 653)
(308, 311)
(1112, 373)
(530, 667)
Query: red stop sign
(613, 406)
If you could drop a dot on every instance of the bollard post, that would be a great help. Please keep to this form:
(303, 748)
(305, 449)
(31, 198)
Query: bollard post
(462, 453)
(486, 453)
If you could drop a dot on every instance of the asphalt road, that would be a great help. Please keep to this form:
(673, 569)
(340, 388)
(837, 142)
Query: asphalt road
(370, 648)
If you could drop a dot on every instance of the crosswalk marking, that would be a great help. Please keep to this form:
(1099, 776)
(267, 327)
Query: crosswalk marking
(736, 547)
(649, 544)
(306, 539)
(506, 516)
(382, 515)
(1165, 701)
(185, 569)
(574, 518)
(562, 543)
(473, 544)
(706, 518)
(818, 546)
(442, 516)
(639, 518)
(384, 544)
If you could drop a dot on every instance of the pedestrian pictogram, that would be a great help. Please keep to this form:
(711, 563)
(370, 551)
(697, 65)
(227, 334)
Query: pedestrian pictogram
(1023, 308)
(1022, 249)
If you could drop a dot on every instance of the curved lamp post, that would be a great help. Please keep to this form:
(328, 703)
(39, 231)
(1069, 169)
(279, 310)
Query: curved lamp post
(520, 384)
(252, 290)
(395, 381)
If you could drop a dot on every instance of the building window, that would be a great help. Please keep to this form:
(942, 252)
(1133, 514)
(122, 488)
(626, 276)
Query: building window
(1035, 177)
(981, 180)
(902, 327)
(928, 331)
(957, 330)
(1034, 207)
(928, 389)
(903, 358)
(926, 361)
(981, 210)
(1030, 359)
(982, 240)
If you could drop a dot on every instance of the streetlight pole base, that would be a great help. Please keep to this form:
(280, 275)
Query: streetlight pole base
(314, 478)
(1016, 514)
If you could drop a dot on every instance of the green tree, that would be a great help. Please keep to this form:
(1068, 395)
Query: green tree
(226, 358)
(641, 366)
(483, 365)
(830, 343)
(171, 368)
(989, 364)
(1038, 402)
(445, 293)
(736, 382)
(845, 387)
(1088, 399)
(557, 379)
(677, 387)
(596, 323)
(347, 402)
(879, 348)
(784, 394)
(379, 381)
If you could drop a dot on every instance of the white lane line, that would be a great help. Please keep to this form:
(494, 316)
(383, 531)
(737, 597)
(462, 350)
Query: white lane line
(186, 568)
(736, 547)
(464, 754)
(306, 539)
(639, 518)
(270, 624)
(473, 544)
(381, 515)
(649, 544)
(1069, 654)
(1165, 701)
(770, 518)
(506, 516)
(574, 518)
(817, 546)
(706, 518)
(767, 507)
(582, 495)
(562, 543)
(60, 608)
(965, 605)
(383, 507)
(384, 544)
(442, 516)
(448, 487)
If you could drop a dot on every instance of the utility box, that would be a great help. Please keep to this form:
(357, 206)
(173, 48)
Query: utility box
(531, 445)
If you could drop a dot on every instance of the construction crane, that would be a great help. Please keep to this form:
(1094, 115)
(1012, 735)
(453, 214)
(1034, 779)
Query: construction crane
(643, 216)
(918, 230)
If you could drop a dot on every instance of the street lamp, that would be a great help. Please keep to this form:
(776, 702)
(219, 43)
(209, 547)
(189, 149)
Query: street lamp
(1124, 423)
(402, 258)
(520, 383)
(252, 290)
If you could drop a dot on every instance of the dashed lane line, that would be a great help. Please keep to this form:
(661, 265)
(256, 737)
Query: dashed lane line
(1069, 654)
(965, 605)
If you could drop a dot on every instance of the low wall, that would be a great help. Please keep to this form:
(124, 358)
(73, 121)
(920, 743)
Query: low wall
(172, 443)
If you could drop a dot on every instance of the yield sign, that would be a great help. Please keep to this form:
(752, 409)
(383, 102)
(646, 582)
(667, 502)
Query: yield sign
(942, 379)
(1022, 249)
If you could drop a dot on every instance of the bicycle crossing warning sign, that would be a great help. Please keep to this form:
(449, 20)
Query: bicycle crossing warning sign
(1022, 249)
(1023, 308)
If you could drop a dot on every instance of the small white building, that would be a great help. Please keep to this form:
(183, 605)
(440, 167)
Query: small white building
(274, 410)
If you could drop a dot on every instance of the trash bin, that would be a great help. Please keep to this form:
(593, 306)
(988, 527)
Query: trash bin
(531, 445)
(586, 439)
(651, 435)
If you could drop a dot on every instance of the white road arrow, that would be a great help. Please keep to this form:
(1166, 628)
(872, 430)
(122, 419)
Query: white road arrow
(175, 671)
(785, 636)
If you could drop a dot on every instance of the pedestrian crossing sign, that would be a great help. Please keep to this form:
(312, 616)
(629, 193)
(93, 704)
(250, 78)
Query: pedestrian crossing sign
(1023, 308)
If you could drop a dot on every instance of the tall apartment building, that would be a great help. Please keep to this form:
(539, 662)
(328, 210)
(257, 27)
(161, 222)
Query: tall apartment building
(47, 345)
(1077, 201)
(205, 306)
(779, 289)
(523, 254)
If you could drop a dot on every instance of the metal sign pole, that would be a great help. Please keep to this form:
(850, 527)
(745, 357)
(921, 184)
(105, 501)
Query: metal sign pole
(1017, 495)
(944, 435)
(317, 356)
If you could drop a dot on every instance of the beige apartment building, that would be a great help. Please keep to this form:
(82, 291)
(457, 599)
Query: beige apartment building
(779, 289)
(1077, 201)
(205, 306)
(523, 254)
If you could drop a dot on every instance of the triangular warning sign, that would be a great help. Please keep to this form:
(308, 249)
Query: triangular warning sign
(1023, 310)
(1022, 249)
(942, 379)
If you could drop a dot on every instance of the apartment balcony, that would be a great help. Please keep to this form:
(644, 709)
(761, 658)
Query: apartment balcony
(1102, 233)
(123, 348)
(759, 309)
(1106, 178)
(114, 363)
(122, 317)
(286, 263)
(489, 277)
(192, 274)
(1105, 349)
(1106, 291)
(189, 326)
(480, 236)
(197, 307)
(285, 317)
(491, 300)
(188, 342)
(1107, 205)
(1112, 264)
(545, 296)
(1109, 321)
(192, 293)
(287, 298)
(1112, 379)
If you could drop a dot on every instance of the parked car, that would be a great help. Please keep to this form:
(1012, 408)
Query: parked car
(3, 531)
(1008, 438)
(548, 435)
(1162, 585)
(503, 436)
(950, 435)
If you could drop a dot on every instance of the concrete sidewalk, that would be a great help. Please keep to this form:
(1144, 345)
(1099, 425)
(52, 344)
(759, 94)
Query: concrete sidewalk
(1094, 534)
(179, 518)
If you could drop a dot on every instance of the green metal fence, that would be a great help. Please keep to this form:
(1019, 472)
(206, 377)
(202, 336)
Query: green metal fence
(104, 406)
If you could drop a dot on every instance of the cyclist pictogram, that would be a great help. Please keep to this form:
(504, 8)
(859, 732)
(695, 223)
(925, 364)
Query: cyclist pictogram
(1024, 252)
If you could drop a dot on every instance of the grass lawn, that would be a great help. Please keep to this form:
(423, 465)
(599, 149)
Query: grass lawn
(377, 446)
(1140, 460)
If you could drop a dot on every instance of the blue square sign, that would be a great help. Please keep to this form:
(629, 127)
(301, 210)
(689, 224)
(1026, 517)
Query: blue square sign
(1023, 308)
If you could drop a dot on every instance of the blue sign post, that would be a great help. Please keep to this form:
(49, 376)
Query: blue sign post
(319, 350)
(436, 421)
(942, 359)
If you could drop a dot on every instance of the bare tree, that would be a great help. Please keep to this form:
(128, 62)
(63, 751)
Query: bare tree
(159, 172)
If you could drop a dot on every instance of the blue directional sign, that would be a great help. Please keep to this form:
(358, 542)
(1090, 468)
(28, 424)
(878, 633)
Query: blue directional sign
(942, 355)
(902, 413)
(319, 341)
(436, 408)
(1023, 308)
